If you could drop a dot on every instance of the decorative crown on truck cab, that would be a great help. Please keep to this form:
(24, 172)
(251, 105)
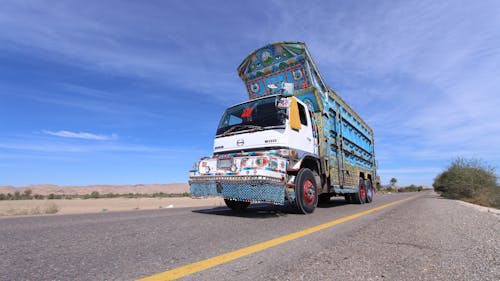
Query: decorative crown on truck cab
(273, 67)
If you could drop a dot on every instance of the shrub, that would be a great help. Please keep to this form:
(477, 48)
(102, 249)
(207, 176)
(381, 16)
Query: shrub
(411, 188)
(27, 194)
(94, 194)
(3, 196)
(470, 180)
(393, 181)
(54, 196)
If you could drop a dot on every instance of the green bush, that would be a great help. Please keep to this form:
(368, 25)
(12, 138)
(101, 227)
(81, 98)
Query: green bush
(470, 180)
(54, 196)
(411, 188)
(27, 194)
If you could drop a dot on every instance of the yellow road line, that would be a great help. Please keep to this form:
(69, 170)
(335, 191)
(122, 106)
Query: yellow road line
(227, 257)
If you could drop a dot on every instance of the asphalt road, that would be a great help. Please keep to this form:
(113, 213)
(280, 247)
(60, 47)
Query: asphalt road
(424, 238)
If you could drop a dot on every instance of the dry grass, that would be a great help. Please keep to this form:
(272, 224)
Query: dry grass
(23, 210)
(80, 206)
(46, 189)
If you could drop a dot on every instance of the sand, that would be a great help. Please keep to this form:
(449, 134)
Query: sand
(80, 206)
(46, 189)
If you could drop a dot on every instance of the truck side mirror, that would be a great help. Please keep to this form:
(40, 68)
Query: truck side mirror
(294, 115)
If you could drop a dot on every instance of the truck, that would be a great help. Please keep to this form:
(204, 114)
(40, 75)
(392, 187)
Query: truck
(294, 141)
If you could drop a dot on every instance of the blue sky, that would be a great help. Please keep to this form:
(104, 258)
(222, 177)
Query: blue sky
(128, 92)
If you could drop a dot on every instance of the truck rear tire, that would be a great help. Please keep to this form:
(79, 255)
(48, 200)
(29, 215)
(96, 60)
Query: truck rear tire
(306, 193)
(236, 205)
(360, 196)
(369, 191)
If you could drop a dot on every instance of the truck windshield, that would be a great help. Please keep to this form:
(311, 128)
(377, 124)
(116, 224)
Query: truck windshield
(256, 115)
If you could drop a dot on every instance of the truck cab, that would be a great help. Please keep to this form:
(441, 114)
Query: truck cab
(269, 122)
(257, 144)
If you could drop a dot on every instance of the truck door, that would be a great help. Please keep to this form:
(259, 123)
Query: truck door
(303, 139)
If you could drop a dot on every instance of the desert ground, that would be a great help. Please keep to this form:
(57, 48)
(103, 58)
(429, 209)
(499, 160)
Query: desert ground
(46, 189)
(79, 206)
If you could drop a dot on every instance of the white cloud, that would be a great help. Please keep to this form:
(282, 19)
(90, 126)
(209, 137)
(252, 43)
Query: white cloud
(81, 135)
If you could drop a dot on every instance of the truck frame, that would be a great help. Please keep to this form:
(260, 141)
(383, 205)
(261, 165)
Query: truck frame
(295, 140)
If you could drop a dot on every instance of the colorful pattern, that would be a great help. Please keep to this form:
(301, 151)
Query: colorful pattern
(265, 71)
(346, 141)
(249, 191)
(250, 176)
(270, 59)
(259, 87)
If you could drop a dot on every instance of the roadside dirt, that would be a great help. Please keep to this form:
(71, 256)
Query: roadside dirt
(80, 206)
(46, 189)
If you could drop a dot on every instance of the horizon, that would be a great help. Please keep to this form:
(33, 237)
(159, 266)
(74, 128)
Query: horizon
(131, 93)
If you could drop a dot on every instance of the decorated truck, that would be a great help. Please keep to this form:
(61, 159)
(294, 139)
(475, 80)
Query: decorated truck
(294, 141)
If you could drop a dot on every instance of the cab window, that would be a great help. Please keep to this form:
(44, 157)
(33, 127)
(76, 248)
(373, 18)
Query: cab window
(302, 113)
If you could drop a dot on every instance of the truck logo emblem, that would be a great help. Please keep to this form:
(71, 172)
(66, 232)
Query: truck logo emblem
(240, 142)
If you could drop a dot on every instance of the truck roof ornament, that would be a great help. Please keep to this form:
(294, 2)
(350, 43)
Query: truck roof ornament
(285, 67)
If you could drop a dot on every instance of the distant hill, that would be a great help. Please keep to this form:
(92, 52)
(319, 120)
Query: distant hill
(46, 189)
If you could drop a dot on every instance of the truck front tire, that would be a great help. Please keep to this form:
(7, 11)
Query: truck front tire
(306, 193)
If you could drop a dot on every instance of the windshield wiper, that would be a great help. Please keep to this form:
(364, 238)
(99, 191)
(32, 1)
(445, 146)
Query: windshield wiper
(242, 126)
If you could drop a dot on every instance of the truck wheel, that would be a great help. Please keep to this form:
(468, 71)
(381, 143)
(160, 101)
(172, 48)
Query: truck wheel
(360, 196)
(236, 205)
(306, 195)
(369, 191)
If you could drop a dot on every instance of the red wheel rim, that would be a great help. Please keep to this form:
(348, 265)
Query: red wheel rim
(362, 191)
(309, 192)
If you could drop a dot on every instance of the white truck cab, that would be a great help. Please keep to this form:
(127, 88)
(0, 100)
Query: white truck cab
(256, 143)
(265, 124)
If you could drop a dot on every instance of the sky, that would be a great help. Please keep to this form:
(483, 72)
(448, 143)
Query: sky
(131, 92)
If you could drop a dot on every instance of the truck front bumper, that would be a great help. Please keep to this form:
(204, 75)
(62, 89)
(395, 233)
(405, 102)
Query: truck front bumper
(240, 188)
